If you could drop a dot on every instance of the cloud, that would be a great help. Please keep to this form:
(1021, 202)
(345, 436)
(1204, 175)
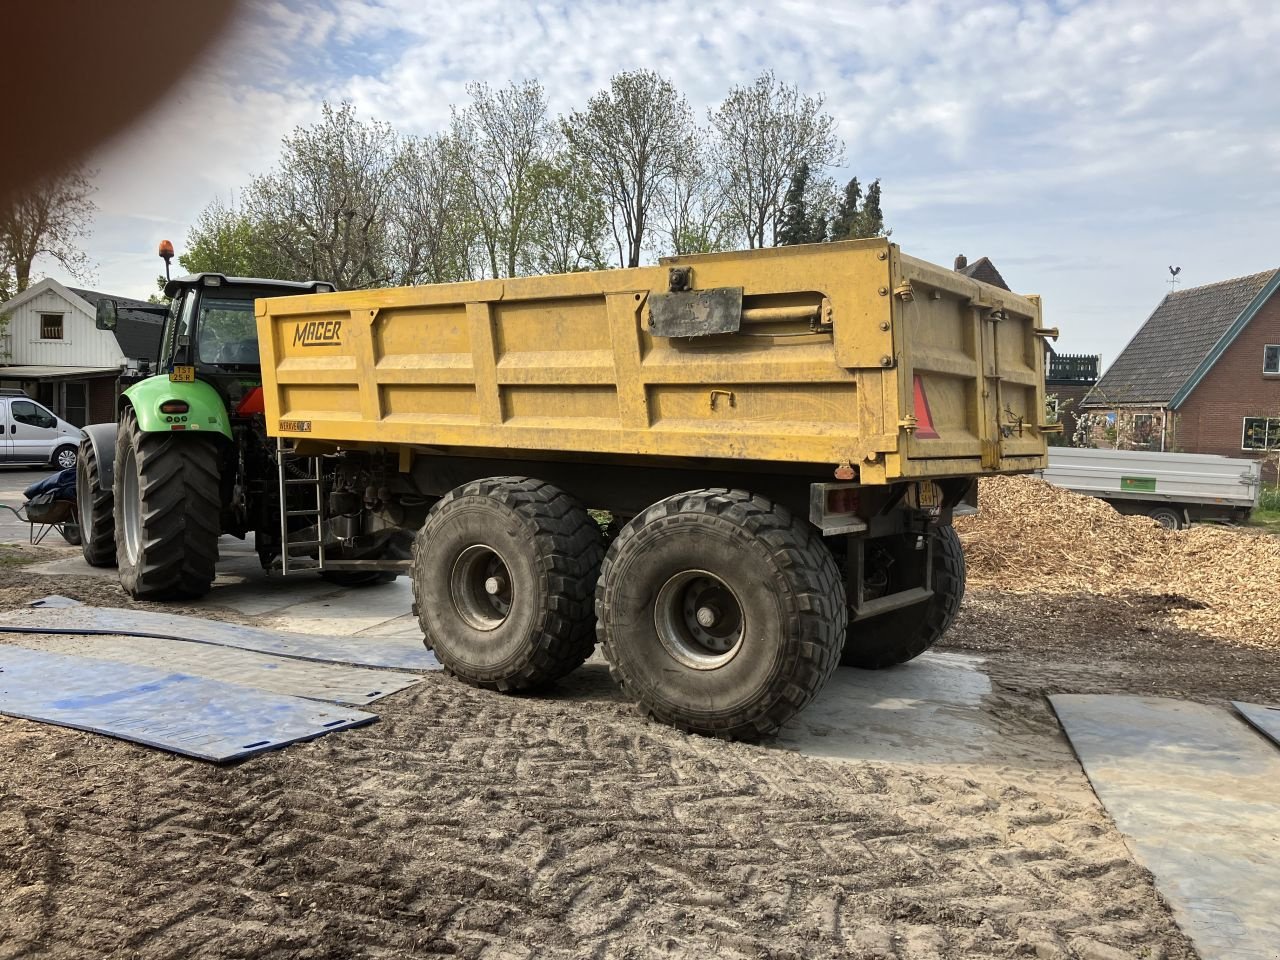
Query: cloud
(1119, 137)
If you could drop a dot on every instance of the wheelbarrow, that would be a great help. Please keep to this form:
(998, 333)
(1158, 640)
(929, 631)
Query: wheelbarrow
(50, 505)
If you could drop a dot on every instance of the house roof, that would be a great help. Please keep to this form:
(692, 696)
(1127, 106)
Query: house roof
(138, 327)
(984, 270)
(1181, 341)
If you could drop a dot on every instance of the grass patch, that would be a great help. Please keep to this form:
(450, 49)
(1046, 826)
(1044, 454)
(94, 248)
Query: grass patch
(1266, 518)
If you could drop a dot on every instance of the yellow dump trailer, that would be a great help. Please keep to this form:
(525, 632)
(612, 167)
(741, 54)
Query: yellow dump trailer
(851, 355)
(771, 445)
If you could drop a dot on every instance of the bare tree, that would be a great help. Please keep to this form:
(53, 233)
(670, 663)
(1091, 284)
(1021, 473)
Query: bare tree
(505, 136)
(47, 220)
(763, 133)
(692, 214)
(434, 223)
(328, 205)
(633, 138)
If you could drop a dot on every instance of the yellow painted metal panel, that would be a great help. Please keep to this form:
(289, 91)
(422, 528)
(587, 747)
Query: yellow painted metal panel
(838, 342)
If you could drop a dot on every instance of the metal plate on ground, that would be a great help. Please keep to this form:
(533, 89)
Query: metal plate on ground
(400, 654)
(1197, 794)
(194, 716)
(1265, 719)
(335, 682)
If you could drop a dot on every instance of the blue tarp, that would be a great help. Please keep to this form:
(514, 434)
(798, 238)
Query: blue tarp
(208, 719)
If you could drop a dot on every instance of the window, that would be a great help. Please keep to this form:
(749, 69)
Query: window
(50, 326)
(1271, 358)
(32, 414)
(1144, 428)
(1261, 433)
(227, 333)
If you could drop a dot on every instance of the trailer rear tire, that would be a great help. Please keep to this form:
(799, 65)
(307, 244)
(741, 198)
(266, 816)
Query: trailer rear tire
(94, 505)
(1168, 517)
(503, 576)
(720, 613)
(167, 509)
(901, 635)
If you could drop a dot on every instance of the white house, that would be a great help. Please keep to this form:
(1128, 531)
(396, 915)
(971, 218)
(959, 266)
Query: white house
(52, 349)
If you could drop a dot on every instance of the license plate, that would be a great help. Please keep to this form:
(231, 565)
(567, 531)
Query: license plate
(929, 496)
(183, 375)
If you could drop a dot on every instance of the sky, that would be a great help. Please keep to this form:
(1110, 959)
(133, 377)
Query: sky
(1084, 146)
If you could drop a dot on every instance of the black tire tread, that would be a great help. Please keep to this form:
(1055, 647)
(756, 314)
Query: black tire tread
(98, 525)
(181, 506)
(573, 549)
(799, 554)
(883, 642)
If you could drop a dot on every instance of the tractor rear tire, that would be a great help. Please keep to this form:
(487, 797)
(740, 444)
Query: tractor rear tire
(503, 575)
(95, 505)
(901, 635)
(167, 508)
(720, 613)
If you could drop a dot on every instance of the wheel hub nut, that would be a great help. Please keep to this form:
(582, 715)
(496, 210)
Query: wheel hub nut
(707, 616)
(493, 586)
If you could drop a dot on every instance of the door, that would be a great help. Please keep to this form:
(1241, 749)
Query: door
(33, 432)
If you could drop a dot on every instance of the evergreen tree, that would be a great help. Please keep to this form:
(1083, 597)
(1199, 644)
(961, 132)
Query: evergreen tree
(870, 222)
(795, 226)
(845, 221)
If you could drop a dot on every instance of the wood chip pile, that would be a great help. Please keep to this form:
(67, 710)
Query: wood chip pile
(1030, 536)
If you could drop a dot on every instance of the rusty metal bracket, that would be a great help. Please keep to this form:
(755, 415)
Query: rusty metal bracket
(680, 278)
(1049, 333)
(904, 291)
(696, 313)
(727, 394)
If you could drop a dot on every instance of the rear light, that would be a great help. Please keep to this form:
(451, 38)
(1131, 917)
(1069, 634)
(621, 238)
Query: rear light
(842, 500)
(174, 406)
(833, 508)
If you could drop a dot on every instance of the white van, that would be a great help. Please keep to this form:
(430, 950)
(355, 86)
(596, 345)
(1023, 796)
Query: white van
(30, 434)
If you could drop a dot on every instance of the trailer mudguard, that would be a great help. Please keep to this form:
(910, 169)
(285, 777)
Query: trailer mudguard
(206, 413)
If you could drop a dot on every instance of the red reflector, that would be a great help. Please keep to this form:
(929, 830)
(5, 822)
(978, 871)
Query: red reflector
(842, 500)
(252, 403)
(174, 406)
(178, 426)
(924, 418)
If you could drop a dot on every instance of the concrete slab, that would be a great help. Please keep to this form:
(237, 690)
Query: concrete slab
(345, 611)
(336, 683)
(926, 711)
(1266, 720)
(1195, 792)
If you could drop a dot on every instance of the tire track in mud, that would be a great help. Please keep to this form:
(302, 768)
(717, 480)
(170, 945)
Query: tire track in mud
(474, 824)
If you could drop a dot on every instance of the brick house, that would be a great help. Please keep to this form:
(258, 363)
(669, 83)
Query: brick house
(1068, 378)
(1202, 375)
(51, 348)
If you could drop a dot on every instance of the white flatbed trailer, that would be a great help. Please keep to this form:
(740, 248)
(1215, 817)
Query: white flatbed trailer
(1174, 489)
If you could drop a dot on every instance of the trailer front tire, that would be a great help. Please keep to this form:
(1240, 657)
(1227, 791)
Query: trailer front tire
(167, 507)
(720, 613)
(503, 575)
(901, 635)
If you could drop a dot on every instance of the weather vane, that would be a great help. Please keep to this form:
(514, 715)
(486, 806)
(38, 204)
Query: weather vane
(1173, 278)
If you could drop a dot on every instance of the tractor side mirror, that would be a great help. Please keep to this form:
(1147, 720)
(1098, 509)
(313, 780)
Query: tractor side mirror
(107, 315)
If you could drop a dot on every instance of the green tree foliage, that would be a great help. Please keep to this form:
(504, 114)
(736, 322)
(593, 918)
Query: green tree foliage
(48, 220)
(327, 207)
(227, 239)
(762, 134)
(857, 217)
(633, 139)
(570, 230)
(805, 209)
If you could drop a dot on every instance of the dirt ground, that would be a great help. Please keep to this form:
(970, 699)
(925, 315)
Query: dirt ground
(473, 824)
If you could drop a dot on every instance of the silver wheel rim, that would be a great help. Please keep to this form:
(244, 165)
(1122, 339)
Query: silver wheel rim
(1167, 521)
(481, 588)
(66, 458)
(131, 507)
(699, 620)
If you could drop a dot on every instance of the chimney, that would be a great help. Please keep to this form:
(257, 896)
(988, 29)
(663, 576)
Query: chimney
(961, 261)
